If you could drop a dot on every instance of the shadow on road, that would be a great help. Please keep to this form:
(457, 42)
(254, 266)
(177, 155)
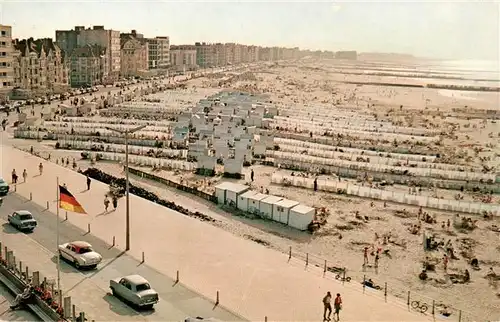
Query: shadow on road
(9, 229)
(121, 308)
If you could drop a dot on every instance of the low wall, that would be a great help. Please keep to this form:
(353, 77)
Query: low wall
(173, 184)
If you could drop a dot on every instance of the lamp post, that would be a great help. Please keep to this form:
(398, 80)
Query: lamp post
(126, 132)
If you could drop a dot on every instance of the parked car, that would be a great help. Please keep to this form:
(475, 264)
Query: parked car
(80, 253)
(22, 220)
(135, 290)
(199, 318)
(4, 187)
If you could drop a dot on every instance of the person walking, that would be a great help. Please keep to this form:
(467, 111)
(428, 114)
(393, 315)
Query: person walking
(25, 175)
(365, 256)
(14, 176)
(327, 306)
(40, 168)
(377, 257)
(251, 175)
(115, 202)
(106, 203)
(88, 182)
(315, 184)
(338, 306)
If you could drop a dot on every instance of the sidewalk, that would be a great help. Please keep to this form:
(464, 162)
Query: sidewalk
(251, 279)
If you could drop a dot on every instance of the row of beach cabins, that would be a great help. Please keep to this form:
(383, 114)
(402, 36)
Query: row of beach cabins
(285, 211)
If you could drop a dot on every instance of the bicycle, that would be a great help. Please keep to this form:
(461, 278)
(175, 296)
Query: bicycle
(420, 306)
(340, 277)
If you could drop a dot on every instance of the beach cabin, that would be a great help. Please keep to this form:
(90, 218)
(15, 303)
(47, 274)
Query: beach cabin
(227, 193)
(281, 210)
(301, 216)
(253, 203)
(266, 206)
(243, 199)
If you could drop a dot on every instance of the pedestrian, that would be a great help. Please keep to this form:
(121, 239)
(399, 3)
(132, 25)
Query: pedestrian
(315, 184)
(338, 306)
(88, 183)
(327, 306)
(365, 256)
(115, 202)
(445, 262)
(106, 203)
(25, 175)
(40, 168)
(14, 176)
(32, 150)
(377, 257)
(251, 175)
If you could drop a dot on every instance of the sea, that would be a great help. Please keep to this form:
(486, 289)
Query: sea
(481, 69)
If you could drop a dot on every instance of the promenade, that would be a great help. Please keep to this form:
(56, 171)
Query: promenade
(252, 280)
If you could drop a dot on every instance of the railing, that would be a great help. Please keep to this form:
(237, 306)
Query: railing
(49, 304)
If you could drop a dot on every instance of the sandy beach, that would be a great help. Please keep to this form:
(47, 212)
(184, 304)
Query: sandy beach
(306, 87)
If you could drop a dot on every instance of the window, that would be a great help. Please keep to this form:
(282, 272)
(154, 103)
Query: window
(4, 33)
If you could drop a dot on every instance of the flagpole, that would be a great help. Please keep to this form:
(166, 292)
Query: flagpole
(57, 246)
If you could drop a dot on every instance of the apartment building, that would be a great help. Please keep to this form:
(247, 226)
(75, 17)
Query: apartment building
(159, 53)
(134, 55)
(39, 66)
(6, 62)
(183, 58)
(88, 66)
(68, 40)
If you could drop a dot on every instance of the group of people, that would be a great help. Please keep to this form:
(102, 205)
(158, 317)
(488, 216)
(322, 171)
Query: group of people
(15, 177)
(327, 304)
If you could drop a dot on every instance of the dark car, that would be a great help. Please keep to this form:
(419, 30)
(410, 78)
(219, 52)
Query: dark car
(4, 187)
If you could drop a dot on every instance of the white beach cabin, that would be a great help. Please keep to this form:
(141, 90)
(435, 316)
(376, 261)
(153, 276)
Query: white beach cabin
(281, 210)
(254, 203)
(301, 216)
(244, 198)
(228, 193)
(267, 206)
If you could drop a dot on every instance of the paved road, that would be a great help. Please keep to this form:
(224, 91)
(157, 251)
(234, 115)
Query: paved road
(89, 289)
(6, 314)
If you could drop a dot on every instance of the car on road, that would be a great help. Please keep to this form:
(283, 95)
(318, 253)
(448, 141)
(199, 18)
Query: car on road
(134, 290)
(4, 187)
(80, 253)
(22, 220)
(199, 318)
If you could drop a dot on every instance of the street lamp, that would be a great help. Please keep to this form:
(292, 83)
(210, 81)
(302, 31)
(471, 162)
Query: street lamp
(126, 132)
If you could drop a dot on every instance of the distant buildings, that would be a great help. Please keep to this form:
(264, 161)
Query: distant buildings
(39, 66)
(134, 55)
(159, 53)
(6, 62)
(68, 40)
(183, 58)
(351, 55)
(88, 66)
(91, 56)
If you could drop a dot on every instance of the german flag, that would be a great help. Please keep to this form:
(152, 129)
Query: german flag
(68, 202)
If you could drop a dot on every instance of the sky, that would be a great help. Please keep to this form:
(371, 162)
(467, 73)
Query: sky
(444, 30)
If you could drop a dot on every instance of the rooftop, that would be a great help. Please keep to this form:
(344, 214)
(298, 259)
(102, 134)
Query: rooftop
(231, 186)
(271, 199)
(302, 209)
(287, 203)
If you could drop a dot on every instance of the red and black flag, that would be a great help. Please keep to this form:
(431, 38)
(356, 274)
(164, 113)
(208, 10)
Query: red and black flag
(68, 202)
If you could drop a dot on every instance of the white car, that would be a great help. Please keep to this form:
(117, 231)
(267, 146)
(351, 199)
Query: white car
(80, 253)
